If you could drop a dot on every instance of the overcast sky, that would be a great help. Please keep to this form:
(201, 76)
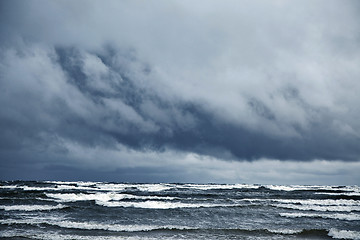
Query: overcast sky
(180, 91)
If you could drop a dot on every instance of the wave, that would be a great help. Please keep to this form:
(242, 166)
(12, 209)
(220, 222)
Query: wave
(108, 196)
(141, 228)
(334, 233)
(161, 187)
(104, 197)
(92, 225)
(58, 236)
(324, 202)
(337, 216)
(339, 193)
(319, 208)
(56, 188)
(355, 189)
(158, 187)
(31, 207)
(344, 234)
(79, 183)
(217, 186)
(123, 186)
(312, 202)
(162, 205)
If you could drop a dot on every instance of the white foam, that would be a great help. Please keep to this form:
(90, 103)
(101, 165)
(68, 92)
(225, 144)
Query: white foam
(163, 187)
(312, 187)
(319, 202)
(56, 188)
(338, 216)
(340, 193)
(343, 234)
(9, 186)
(161, 205)
(80, 183)
(31, 234)
(73, 197)
(154, 187)
(319, 208)
(322, 202)
(91, 225)
(112, 186)
(31, 207)
(141, 187)
(218, 186)
(285, 231)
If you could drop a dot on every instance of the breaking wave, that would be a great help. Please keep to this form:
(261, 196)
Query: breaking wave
(31, 207)
(337, 216)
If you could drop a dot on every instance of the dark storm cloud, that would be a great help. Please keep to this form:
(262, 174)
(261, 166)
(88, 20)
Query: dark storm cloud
(119, 112)
(236, 81)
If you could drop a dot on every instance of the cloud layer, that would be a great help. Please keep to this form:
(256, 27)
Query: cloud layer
(231, 81)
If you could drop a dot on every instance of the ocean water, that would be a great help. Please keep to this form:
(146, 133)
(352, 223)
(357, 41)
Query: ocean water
(98, 210)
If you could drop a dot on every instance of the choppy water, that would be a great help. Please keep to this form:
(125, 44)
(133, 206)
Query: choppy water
(96, 210)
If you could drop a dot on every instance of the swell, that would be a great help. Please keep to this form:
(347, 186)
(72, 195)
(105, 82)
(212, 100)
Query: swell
(91, 226)
(29, 208)
(335, 216)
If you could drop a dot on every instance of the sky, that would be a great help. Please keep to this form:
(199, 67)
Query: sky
(180, 91)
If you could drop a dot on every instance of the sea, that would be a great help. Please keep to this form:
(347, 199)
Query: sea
(108, 210)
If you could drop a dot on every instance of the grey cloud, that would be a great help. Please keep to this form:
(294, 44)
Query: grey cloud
(235, 81)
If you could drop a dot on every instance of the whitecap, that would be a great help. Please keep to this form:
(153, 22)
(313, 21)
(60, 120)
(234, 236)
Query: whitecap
(92, 225)
(112, 186)
(319, 208)
(31, 207)
(339, 193)
(285, 231)
(218, 186)
(161, 204)
(154, 187)
(141, 187)
(344, 234)
(312, 188)
(30, 234)
(10, 186)
(109, 196)
(56, 188)
(338, 216)
(320, 202)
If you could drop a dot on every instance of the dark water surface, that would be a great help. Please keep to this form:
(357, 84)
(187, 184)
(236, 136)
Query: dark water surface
(96, 210)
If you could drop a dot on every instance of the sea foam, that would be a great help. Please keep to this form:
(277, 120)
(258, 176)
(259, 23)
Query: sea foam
(31, 207)
(338, 216)
(319, 208)
(161, 204)
(107, 196)
(344, 234)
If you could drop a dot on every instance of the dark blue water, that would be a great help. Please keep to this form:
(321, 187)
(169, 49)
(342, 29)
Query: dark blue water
(95, 210)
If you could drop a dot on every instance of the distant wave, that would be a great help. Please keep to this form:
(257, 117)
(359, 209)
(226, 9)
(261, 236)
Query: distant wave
(58, 185)
(340, 193)
(92, 225)
(319, 208)
(312, 188)
(322, 202)
(162, 205)
(31, 207)
(338, 216)
(73, 197)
